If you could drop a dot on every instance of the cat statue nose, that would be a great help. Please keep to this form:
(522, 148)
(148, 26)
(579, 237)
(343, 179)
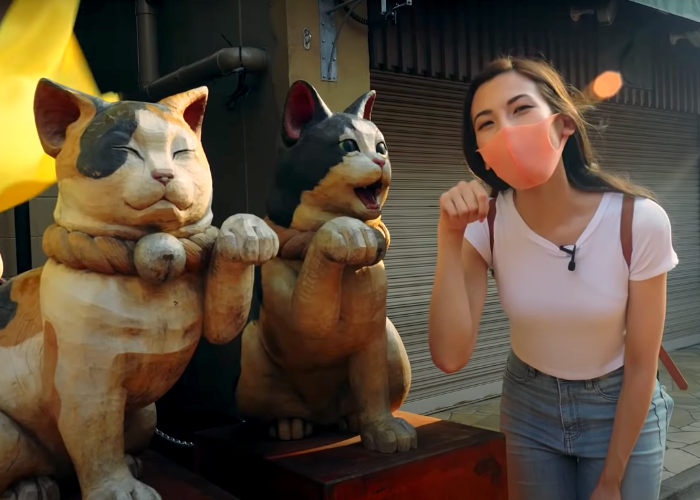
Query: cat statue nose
(379, 162)
(163, 175)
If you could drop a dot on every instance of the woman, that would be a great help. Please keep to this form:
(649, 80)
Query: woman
(582, 410)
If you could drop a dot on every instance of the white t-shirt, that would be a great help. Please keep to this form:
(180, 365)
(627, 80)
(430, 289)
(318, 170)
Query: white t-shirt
(571, 324)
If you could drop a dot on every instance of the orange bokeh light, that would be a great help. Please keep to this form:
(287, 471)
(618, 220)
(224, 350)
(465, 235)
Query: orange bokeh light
(607, 84)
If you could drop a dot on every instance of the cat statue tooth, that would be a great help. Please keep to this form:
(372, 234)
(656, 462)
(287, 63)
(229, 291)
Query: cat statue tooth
(323, 351)
(136, 275)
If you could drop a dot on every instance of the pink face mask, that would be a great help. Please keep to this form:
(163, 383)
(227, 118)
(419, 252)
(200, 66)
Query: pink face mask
(523, 155)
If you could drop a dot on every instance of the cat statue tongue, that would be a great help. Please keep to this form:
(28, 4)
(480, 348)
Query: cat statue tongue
(368, 196)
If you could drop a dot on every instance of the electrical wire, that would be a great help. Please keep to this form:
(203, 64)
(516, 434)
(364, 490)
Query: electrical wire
(340, 5)
(353, 15)
(356, 17)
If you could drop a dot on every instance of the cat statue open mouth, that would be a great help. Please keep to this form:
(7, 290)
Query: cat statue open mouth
(323, 351)
(136, 275)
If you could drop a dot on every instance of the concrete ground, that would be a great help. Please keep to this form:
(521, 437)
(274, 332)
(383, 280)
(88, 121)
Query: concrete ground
(682, 462)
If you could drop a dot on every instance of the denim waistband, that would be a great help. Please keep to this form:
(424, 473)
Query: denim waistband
(534, 372)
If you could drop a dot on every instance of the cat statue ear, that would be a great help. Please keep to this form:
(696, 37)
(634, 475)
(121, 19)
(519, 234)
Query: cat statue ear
(191, 106)
(55, 108)
(303, 108)
(362, 107)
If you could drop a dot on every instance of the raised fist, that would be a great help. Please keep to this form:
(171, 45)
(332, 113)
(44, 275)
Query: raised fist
(463, 204)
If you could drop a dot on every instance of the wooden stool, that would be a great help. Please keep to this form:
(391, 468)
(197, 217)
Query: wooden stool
(453, 461)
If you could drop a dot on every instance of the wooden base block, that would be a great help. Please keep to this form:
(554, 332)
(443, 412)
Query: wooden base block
(170, 480)
(453, 461)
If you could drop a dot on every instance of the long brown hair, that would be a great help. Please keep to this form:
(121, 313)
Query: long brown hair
(582, 170)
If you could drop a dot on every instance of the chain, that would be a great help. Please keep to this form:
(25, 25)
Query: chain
(177, 442)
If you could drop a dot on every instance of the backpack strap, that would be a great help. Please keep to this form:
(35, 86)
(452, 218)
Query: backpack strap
(626, 240)
(491, 217)
(626, 228)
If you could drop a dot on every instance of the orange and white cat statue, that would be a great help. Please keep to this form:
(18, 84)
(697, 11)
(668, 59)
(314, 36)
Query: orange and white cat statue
(136, 275)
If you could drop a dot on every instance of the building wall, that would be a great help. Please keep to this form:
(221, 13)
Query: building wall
(352, 53)
(40, 217)
(7, 243)
(454, 39)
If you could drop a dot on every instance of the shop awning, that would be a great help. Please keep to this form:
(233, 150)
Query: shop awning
(690, 9)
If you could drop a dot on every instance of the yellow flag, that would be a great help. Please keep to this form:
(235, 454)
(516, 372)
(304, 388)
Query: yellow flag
(36, 41)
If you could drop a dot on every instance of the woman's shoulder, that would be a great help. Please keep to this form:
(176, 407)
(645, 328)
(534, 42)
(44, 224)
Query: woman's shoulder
(652, 241)
(649, 216)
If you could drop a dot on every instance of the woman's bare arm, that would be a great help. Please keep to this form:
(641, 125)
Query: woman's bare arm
(457, 301)
(645, 325)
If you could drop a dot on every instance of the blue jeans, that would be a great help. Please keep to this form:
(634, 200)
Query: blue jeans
(558, 432)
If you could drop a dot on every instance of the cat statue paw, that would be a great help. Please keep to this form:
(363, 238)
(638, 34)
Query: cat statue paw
(246, 239)
(39, 488)
(389, 435)
(121, 489)
(350, 242)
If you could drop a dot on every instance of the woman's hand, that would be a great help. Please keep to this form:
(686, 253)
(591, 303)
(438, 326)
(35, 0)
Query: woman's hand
(606, 491)
(463, 204)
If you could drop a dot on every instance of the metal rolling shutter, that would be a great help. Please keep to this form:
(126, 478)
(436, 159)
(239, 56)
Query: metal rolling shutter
(659, 149)
(421, 119)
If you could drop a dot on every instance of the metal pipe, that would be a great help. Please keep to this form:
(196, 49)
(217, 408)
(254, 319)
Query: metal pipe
(147, 41)
(221, 63)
